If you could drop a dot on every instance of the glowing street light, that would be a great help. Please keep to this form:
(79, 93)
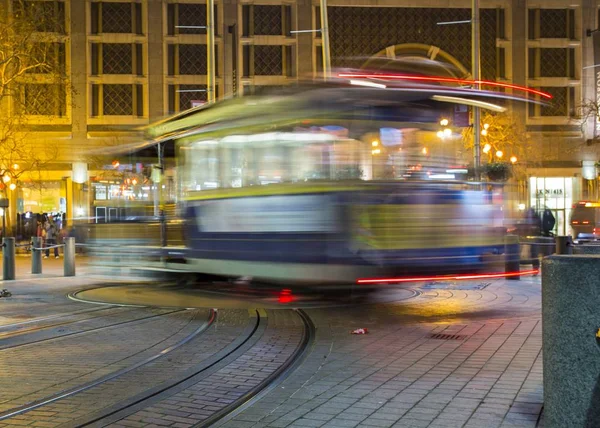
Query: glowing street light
(447, 132)
(484, 132)
(375, 151)
(424, 151)
(374, 143)
(6, 178)
(486, 126)
(513, 159)
(12, 186)
(499, 154)
(440, 134)
(487, 148)
(444, 122)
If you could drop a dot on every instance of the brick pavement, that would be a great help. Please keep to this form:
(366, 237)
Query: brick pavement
(399, 375)
(485, 371)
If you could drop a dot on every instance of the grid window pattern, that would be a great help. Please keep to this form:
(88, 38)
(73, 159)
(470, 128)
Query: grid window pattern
(121, 17)
(117, 58)
(46, 15)
(116, 18)
(559, 105)
(553, 62)
(268, 60)
(268, 20)
(47, 58)
(117, 100)
(357, 33)
(192, 59)
(182, 16)
(44, 99)
(553, 23)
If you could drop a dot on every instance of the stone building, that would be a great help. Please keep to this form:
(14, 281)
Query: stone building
(135, 62)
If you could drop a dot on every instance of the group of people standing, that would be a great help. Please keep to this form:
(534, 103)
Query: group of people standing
(49, 232)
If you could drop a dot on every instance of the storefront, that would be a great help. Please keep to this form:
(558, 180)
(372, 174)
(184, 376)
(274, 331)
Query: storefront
(557, 194)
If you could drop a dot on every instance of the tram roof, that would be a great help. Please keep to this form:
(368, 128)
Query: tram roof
(315, 99)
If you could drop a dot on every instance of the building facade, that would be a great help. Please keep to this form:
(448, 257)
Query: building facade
(134, 62)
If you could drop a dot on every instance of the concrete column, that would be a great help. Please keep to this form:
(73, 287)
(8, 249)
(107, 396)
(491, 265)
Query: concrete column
(230, 17)
(570, 322)
(8, 258)
(79, 70)
(517, 32)
(155, 60)
(69, 256)
(36, 255)
(304, 47)
(588, 76)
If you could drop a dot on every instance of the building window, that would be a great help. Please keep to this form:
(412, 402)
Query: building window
(110, 17)
(551, 62)
(559, 105)
(553, 23)
(117, 58)
(43, 99)
(266, 20)
(184, 18)
(48, 16)
(49, 58)
(188, 59)
(563, 103)
(117, 100)
(268, 60)
(183, 97)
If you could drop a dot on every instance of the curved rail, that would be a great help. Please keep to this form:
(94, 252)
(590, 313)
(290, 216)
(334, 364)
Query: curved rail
(274, 380)
(76, 333)
(104, 379)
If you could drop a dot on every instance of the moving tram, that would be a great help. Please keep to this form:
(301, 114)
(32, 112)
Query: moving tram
(329, 183)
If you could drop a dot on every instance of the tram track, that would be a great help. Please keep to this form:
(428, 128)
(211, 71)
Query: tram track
(8, 346)
(292, 336)
(16, 329)
(86, 386)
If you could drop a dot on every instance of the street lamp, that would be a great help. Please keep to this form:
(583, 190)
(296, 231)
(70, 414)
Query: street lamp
(499, 154)
(513, 159)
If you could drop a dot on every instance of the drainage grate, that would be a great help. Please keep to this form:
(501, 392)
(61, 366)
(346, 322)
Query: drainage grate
(441, 336)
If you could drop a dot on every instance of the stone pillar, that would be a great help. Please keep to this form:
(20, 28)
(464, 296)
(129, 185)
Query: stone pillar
(570, 322)
(155, 60)
(304, 49)
(79, 97)
(517, 33)
(227, 51)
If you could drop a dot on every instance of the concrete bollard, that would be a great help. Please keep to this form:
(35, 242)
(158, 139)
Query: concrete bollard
(69, 256)
(36, 255)
(8, 258)
(570, 320)
(512, 255)
(564, 245)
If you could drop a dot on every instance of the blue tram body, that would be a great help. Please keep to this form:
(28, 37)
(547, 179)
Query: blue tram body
(330, 185)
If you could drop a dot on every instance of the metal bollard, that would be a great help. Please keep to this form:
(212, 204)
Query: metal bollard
(36, 255)
(69, 256)
(564, 245)
(512, 255)
(8, 258)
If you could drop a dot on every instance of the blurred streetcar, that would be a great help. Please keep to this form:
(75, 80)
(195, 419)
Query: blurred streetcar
(290, 187)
